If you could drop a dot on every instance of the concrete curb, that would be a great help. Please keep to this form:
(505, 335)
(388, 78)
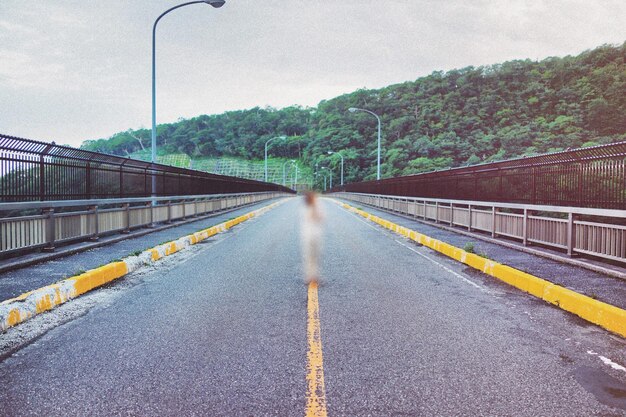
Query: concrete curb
(19, 309)
(602, 314)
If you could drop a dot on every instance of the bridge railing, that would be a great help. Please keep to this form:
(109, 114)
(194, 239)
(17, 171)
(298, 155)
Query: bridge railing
(56, 223)
(38, 171)
(586, 177)
(570, 229)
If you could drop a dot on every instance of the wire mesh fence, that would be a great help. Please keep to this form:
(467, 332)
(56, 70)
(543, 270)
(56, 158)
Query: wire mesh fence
(38, 171)
(588, 177)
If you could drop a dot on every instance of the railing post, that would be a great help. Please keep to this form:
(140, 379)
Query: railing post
(571, 234)
(469, 218)
(169, 211)
(424, 213)
(50, 230)
(126, 208)
(183, 202)
(88, 179)
(525, 228)
(150, 207)
(493, 221)
(122, 180)
(451, 214)
(42, 172)
(94, 221)
(436, 212)
(42, 181)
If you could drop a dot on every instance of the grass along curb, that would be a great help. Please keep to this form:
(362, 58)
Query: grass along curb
(597, 312)
(21, 308)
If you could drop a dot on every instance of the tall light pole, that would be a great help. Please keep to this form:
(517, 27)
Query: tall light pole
(267, 143)
(338, 153)
(331, 177)
(354, 109)
(284, 176)
(324, 175)
(295, 182)
(214, 3)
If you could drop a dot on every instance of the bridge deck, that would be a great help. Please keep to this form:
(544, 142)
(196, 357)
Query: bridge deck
(403, 332)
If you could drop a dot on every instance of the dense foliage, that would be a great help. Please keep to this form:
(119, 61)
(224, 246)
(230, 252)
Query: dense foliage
(449, 119)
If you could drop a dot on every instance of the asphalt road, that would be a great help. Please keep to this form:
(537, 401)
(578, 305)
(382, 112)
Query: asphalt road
(223, 331)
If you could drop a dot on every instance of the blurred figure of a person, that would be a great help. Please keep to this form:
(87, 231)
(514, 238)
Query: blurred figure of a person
(311, 234)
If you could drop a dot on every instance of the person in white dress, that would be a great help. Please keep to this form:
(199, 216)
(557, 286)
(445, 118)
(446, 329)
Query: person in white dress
(311, 235)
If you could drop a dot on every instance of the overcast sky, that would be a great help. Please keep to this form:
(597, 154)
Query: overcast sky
(72, 70)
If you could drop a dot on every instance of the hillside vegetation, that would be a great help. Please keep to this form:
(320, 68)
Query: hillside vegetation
(445, 119)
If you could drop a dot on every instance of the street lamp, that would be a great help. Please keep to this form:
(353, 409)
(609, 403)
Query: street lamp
(331, 178)
(214, 3)
(295, 182)
(354, 109)
(323, 175)
(266, 143)
(284, 176)
(338, 153)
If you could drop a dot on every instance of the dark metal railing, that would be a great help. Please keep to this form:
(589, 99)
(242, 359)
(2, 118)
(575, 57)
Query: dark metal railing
(38, 171)
(587, 177)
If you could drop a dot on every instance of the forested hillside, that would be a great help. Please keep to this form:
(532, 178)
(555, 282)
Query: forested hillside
(449, 119)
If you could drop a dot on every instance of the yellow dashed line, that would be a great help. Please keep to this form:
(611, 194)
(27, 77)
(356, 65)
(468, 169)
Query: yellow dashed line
(316, 393)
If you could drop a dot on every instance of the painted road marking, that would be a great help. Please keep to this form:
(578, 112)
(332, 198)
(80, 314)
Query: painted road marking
(316, 393)
(468, 281)
(607, 361)
(445, 268)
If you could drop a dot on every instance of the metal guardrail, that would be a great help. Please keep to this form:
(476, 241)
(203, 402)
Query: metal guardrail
(38, 171)
(530, 224)
(586, 177)
(91, 219)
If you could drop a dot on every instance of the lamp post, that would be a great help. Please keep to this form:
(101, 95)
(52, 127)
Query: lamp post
(295, 182)
(267, 143)
(354, 109)
(338, 153)
(284, 176)
(331, 178)
(323, 175)
(214, 3)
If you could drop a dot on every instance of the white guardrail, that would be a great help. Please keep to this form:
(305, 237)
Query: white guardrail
(67, 221)
(553, 226)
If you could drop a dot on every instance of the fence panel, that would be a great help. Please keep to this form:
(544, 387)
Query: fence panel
(39, 171)
(588, 177)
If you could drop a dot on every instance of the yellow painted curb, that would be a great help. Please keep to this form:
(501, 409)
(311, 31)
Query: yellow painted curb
(604, 315)
(21, 308)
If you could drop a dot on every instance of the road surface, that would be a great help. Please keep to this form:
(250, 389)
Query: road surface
(227, 330)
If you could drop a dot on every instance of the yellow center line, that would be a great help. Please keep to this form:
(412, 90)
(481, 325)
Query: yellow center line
(316, 393)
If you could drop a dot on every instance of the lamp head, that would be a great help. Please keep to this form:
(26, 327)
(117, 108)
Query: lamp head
(215, 3)
(330, 152)
(352, 109)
